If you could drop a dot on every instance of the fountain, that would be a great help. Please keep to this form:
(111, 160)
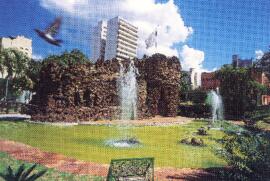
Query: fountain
(127, 91)
(215, 100)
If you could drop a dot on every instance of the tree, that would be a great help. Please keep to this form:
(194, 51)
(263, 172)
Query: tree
(263, 64)
(67, 58)
(185, 84)
(15, 64)
(33, 71)
(239, 91)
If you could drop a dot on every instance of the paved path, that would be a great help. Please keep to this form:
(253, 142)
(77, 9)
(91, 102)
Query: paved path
(62, 163)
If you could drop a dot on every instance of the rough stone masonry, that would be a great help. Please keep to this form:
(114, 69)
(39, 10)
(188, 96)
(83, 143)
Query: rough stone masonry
(89, 92)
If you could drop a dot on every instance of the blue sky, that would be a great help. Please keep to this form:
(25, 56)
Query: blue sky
(220, 28)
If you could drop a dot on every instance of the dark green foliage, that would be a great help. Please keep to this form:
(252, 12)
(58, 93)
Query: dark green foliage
(261, 113)
(22, 174)
(249, 156)
(33, 71)
(67, 58)
(194, 110)
(2, 88)
(239, 91)
(196, 96)
(185, 85)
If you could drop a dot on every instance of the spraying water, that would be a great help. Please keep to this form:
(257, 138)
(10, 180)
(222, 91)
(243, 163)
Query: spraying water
(215, 100)
(127, 90)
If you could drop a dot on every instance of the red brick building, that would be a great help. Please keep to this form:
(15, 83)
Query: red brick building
(209, 81)
(264, 80)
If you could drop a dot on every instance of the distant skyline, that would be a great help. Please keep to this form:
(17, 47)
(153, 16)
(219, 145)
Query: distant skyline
(204, 33)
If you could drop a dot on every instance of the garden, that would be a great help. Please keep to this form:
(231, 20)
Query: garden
(89, 142)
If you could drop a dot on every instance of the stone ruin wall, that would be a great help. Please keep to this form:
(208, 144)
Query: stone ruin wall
(89, 92)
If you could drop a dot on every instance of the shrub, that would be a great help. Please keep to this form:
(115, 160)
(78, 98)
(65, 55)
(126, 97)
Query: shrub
(193, 141)
(196, 110)
(22, 174)
(202, 131)
(248, 155)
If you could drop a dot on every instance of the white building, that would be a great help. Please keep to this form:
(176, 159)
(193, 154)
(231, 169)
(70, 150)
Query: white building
(20, 42)
(195, 77)
(98, 41)
(121, 41)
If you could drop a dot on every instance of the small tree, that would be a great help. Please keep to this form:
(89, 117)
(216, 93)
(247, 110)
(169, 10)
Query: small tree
(185, 85)
(239, 91)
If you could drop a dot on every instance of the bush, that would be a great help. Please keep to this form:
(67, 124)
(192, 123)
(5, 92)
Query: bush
(248, 155)
(196, 110)
(202, 131)
(261, 113)
(197, 96)
(193, 141)
(22, 174)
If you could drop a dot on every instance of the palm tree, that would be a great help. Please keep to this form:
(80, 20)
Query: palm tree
(22, 174)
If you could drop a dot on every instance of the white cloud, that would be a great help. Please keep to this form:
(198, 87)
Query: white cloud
(191, 58)
(69, 6)
(37, 57)
(146, 14)
(259, 54)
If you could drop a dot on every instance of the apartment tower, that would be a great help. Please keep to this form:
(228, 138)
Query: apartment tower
(98, 42)
(122, 39)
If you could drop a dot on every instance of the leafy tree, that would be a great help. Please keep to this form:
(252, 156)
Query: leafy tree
(239, 91)
(67, 58)
(263, 63)
(22, 174)
(33, 71)
(185, 85)
(15, 64)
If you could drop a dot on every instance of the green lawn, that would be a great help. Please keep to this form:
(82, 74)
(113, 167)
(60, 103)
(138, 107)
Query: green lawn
(87, 142)
(51, 174)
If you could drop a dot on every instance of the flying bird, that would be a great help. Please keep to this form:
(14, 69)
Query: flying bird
(49, 34)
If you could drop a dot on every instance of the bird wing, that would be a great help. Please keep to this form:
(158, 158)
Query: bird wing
(54, 27)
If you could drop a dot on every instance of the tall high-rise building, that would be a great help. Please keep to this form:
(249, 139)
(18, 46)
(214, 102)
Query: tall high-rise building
(195, 76)
(20, 42)
(98, 42)
(121, 42)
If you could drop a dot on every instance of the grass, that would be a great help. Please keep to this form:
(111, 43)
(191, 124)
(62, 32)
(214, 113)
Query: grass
(51, 174)
(87, 142)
